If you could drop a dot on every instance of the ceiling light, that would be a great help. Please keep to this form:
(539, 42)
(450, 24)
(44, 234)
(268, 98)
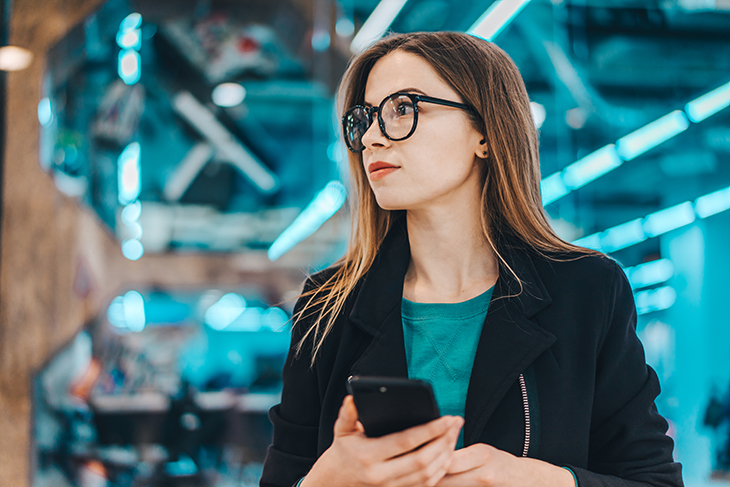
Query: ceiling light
(132, 249)
(228, 95)
(45, 112)
(13, 58)
(651, 135)
(322, 208)
(496, 18)
(538, 113)
(375, 26)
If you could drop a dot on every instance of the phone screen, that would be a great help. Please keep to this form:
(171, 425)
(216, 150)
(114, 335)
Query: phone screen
(386, 404)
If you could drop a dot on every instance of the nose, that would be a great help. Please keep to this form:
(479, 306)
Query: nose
(373, 137)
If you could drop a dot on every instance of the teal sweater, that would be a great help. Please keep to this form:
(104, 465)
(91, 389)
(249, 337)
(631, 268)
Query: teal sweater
(441, 342)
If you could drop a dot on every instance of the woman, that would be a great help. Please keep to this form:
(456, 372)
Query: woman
(453, 274)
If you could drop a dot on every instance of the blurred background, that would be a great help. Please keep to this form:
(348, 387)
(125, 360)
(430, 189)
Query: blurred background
(173, 169)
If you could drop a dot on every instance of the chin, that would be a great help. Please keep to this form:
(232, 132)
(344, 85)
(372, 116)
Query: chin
(393, 202)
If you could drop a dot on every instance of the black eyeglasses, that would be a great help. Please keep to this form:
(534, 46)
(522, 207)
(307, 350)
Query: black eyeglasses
(397, 118)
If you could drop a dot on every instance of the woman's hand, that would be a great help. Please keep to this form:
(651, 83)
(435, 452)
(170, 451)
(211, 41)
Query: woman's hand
(485, 466)
(395, 460)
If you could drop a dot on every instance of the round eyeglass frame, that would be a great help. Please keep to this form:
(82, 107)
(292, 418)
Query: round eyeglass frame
(415, 99)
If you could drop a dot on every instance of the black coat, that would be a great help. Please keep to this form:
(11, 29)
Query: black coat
(570, 332)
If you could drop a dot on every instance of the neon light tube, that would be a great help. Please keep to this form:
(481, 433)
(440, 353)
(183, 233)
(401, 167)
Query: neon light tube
(591, 167)
(324, 205)
(669, 219)
(651, 273)
(651, 135)
(496, 18)
(375, 26)
(709, 104)
(713, 203)
(553, 188)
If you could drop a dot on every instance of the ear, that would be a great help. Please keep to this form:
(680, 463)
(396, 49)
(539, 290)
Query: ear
(482, 150)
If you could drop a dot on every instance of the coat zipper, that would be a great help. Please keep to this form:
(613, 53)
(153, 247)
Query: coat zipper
(526, 406)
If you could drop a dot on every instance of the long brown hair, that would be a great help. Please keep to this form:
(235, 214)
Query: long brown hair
(488, 81)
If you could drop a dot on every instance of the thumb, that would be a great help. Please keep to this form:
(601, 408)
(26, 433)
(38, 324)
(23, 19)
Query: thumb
(347, 422)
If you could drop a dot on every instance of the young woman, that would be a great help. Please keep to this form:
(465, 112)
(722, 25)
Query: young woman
(454, 275)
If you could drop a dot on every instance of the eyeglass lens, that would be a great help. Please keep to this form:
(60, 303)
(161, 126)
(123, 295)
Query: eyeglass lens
(396, 112)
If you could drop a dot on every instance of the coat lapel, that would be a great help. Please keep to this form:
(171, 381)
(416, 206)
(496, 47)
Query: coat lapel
(508, 344)
(377, 309)
(509, 341)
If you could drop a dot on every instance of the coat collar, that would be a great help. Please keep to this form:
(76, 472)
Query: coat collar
(509, 343)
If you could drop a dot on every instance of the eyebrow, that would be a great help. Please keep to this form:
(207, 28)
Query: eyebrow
(404, 90)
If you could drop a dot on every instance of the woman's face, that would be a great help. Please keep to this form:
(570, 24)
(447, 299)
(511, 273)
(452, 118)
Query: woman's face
(437, 164)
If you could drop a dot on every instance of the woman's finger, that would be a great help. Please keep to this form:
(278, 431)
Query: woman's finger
(418, 466)
(469, 458)
(347, 422)
(405, 441)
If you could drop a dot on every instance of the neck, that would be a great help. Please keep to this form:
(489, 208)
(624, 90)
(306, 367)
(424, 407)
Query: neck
(451, 260)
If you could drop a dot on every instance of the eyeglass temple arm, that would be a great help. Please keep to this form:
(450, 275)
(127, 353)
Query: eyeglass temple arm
(440, 101)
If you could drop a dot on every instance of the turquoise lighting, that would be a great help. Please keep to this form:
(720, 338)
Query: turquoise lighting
(713, 203)
(131, 39)
(375, 26)
(622, 236)
(669, 219)
(129, 66)
(657, 223)
(132, 249)
(45, 112)
(129, 169)
(225, 311)
(553, 188)
(496, 18)
(709, 104)
(591, 167)
(655, 299)
(130, 22)
(323, 206)
(127, 312)
(131, 213)
(592, 241)
(650, 136)
(651, 273)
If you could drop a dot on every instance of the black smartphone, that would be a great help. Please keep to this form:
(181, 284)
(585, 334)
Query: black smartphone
(389, 404)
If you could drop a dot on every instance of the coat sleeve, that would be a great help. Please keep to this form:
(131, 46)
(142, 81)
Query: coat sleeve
(296, 419)
(628, 443)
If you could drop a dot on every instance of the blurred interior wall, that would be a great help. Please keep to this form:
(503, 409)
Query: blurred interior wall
(59, 266)
(41, 231)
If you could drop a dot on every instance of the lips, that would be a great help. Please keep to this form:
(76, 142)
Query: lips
(379, 165)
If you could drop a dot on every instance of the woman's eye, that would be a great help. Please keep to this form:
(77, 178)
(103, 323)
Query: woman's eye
(403, 109)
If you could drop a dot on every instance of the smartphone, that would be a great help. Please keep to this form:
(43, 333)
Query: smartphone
(388, 404)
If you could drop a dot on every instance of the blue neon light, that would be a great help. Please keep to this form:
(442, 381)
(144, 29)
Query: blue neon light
(669, 219)
(622, 236)
(325, 204)
(651, 273)
(713, 203)
(651, 135)
(129, 170)
(45, 112)
(592, 241)
(132, 249)
(709, 104)
(225, 311)
(131, 39)
(127, 312)
(591, 167)
(131, 22)
(655, 299)
(129, 66)
(496, 18)
(553, 188)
